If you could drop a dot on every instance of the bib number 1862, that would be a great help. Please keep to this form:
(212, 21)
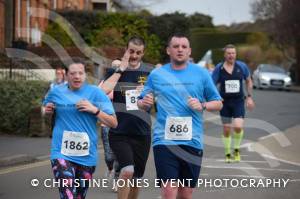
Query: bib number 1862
(78, 146)
(75, 143)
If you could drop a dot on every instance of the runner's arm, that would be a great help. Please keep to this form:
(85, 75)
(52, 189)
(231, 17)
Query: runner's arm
(249, 86)
(215, 105)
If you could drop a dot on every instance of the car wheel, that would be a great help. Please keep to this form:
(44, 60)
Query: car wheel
(258, 85)
(254, 83)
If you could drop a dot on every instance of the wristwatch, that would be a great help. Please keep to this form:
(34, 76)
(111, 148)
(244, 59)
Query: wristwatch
(97, 112)
(119, 70)
(203, 106)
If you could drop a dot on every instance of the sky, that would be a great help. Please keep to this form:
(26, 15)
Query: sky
(223, 11)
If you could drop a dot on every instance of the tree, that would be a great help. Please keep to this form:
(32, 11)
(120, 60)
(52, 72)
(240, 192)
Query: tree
(167, 24)
(284, 17)
(198, 20)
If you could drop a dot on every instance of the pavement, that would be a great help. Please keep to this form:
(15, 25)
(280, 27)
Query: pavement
(16, 150)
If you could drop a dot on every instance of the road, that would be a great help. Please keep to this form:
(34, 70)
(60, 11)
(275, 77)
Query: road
(276, 112)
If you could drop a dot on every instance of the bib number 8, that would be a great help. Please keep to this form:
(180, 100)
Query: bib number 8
(132, 100)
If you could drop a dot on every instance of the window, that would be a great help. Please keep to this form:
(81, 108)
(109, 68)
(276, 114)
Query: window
(100, 6)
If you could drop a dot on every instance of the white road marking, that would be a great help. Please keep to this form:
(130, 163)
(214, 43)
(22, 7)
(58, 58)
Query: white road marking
(233, 176)
(43, 157)
(244, 161)
(243, 176)
(32, 165)
(249, 168)
(295, 180)
(24, 167)
(281, 160)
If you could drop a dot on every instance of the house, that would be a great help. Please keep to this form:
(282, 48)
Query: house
(2, 24)
(18, 23)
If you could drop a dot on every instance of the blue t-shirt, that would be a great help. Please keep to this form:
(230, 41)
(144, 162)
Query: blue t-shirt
(68, 118)
(55, 84)
(229, 88)
(171, 89)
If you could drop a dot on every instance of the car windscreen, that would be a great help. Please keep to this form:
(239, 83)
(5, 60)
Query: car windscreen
(271, 69)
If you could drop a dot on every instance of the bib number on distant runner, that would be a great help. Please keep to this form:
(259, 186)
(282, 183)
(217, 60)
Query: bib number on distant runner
(75, 143)
(232, 86)
(178, 128)
(131, 100)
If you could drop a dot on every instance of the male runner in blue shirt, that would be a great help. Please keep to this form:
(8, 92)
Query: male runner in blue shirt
(182, 91)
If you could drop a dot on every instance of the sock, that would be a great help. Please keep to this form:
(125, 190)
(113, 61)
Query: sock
(227, 144)
(237, 139)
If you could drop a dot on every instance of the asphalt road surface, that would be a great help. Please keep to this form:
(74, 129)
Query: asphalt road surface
(256, 176)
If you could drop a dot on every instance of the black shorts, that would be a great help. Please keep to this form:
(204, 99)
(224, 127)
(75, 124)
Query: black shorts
(131, 150)
(232, 108)
(178, 162)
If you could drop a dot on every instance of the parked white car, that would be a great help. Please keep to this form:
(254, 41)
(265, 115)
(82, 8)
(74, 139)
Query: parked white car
(271, 76)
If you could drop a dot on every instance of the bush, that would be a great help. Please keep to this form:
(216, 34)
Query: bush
(198, 20)
(259, 38)
(203, 41)
(18, 99)
(57, 31)
(107, 29)
(251, 54)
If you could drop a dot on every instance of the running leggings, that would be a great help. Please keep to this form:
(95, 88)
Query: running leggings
(73, 178)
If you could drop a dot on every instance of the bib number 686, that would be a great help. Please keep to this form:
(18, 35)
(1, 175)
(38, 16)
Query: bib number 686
(179, 128)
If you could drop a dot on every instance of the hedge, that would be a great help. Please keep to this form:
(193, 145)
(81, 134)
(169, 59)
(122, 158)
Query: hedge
(18, 99)
(113, 29)
(203, 41)
(107, 29)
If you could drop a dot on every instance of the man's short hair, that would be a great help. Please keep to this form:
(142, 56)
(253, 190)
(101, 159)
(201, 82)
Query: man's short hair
(137, 40)
(77, 61)
(178, 35)
(229, 46)
(60, 68)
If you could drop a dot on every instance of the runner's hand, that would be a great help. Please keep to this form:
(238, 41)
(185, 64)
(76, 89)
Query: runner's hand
(86, 106)
(125, 60)
(194, 104)
(250, 103)
(49, 108)
(147, 101)
(116, 63)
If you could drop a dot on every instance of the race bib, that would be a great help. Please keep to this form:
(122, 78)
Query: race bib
(178, 128)
(232, 86)
(75, 143)
(131, 99)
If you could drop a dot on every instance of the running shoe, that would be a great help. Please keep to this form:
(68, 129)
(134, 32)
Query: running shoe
(227, 158)
(237, 155)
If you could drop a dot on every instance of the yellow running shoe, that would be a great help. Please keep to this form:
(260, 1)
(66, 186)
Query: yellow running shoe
(228, 158)
(237, 155)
